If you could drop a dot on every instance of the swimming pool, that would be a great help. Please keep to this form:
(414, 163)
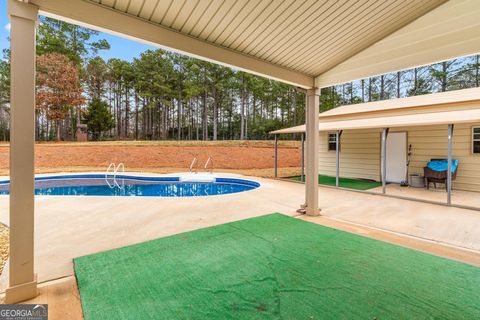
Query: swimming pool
(128, 185)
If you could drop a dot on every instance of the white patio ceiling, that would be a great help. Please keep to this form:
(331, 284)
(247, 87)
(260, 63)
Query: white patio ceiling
(308, 36)
(302, 42)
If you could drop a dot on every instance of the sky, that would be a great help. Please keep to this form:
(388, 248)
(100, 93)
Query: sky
(121, 48)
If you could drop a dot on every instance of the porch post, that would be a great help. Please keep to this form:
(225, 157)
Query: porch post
(312, 134)
(449, 165)
(302, 173)
(22, 280)
(337, 158)
(275, 157)
(384, 160)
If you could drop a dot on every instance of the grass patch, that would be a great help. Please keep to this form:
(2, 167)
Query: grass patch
(356, 184)
(274, 267)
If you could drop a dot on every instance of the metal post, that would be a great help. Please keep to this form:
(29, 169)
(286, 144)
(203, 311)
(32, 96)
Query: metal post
(302, 174)
(275, 157)
(384, 160)
(337, 158)
(449, 165)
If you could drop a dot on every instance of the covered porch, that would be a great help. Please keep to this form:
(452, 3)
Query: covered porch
(309, 45)
(394, 141)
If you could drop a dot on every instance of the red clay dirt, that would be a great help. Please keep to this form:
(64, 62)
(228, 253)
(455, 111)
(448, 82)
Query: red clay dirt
(226, 155)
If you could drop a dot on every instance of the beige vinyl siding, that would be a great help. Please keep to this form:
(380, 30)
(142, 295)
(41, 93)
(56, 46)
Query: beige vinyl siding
(431, 142)
(360, 153)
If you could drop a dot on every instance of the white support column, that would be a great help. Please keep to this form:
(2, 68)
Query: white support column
(313, 140)
(22, 280)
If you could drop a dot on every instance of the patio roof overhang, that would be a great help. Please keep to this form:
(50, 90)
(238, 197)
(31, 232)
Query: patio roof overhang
(309, 44)
(411, 120)
(462, 106)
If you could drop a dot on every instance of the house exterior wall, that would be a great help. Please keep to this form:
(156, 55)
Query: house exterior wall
(360, 153)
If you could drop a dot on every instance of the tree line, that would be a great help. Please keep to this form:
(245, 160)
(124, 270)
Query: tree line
(158, 95)
(455, 74)
(163, 95)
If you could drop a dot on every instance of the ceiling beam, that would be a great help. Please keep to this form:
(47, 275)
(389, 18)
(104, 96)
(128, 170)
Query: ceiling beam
(104, 19)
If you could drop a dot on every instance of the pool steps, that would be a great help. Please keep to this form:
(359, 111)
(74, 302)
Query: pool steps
(197, 177)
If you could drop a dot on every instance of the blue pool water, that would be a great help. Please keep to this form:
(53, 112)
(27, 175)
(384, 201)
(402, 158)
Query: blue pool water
(96, 185)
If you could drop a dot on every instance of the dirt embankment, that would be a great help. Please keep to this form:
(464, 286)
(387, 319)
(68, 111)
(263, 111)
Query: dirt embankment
(247, 157)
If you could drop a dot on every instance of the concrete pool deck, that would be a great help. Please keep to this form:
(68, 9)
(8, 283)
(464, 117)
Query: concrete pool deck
(67, 227)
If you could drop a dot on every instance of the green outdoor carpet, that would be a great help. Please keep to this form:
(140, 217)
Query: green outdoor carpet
(274, 267)
(356, 184)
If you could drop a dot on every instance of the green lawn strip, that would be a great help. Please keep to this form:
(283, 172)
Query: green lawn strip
(356, 184)
(274, 267)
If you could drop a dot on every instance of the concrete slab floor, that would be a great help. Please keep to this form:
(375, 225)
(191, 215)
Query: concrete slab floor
(69, 227)
(459, 197)
(446, 225)
(63, 298)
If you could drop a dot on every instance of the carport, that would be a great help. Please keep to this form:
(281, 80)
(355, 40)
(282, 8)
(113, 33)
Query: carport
(308, 44)
(446, 108)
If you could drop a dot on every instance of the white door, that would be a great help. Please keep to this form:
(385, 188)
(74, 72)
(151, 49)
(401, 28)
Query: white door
(396, 156)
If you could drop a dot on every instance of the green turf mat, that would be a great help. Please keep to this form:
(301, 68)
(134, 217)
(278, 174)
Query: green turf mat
(356, 184)
(274, 267)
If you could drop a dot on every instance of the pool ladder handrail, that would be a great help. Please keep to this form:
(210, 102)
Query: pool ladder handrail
(110, 167)
(194, 162)
(114, 168)
(209, 161)
(120, 165)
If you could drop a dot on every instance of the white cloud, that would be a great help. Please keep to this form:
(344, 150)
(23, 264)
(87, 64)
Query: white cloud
(8, 26)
